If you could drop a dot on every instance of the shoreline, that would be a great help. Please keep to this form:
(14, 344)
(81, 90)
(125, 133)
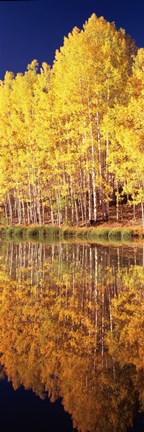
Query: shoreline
(106, 231)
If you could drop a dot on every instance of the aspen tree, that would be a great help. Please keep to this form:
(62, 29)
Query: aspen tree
(65, 131)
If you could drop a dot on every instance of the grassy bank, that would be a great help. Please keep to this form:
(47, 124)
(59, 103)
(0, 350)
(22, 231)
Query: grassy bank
(41, 233)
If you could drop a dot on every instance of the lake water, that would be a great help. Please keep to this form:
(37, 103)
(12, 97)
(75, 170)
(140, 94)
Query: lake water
(71, 337)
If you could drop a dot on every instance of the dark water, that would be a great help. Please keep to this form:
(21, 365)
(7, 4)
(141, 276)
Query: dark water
(71, 337)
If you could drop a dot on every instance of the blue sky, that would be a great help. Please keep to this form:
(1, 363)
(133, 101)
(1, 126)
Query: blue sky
(35, 29)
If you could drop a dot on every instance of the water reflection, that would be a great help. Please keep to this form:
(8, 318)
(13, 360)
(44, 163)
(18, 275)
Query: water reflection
(71, 326)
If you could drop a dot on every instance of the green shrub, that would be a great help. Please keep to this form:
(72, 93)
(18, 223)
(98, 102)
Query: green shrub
(114, 234)
(52, 231)
(126, 234)
(43, 232)
(81, 232)
(68, 231)
(2, 231)
(96, 233)
(19, 232)
(32, 232)
(15, 232)
(9, 231)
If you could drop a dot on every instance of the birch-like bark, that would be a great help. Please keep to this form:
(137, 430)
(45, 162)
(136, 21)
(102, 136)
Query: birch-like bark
(28, 213)
(5, 210)
(23, 212)
(65, 207)
(93, 163)
(10, 209)
(117, 202)
(99, 152)
(51, 211)
(72, 204)
(58, 209)
(84, 199)
(89, 197)
(76, 212)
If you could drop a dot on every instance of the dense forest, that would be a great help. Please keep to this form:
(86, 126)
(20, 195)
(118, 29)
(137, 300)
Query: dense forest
(72, 135)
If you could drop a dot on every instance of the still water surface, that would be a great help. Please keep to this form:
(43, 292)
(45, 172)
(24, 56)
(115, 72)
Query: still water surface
(72, 335)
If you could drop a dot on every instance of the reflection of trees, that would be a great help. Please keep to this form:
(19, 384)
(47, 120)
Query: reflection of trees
(126, 343)
(52, 332)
